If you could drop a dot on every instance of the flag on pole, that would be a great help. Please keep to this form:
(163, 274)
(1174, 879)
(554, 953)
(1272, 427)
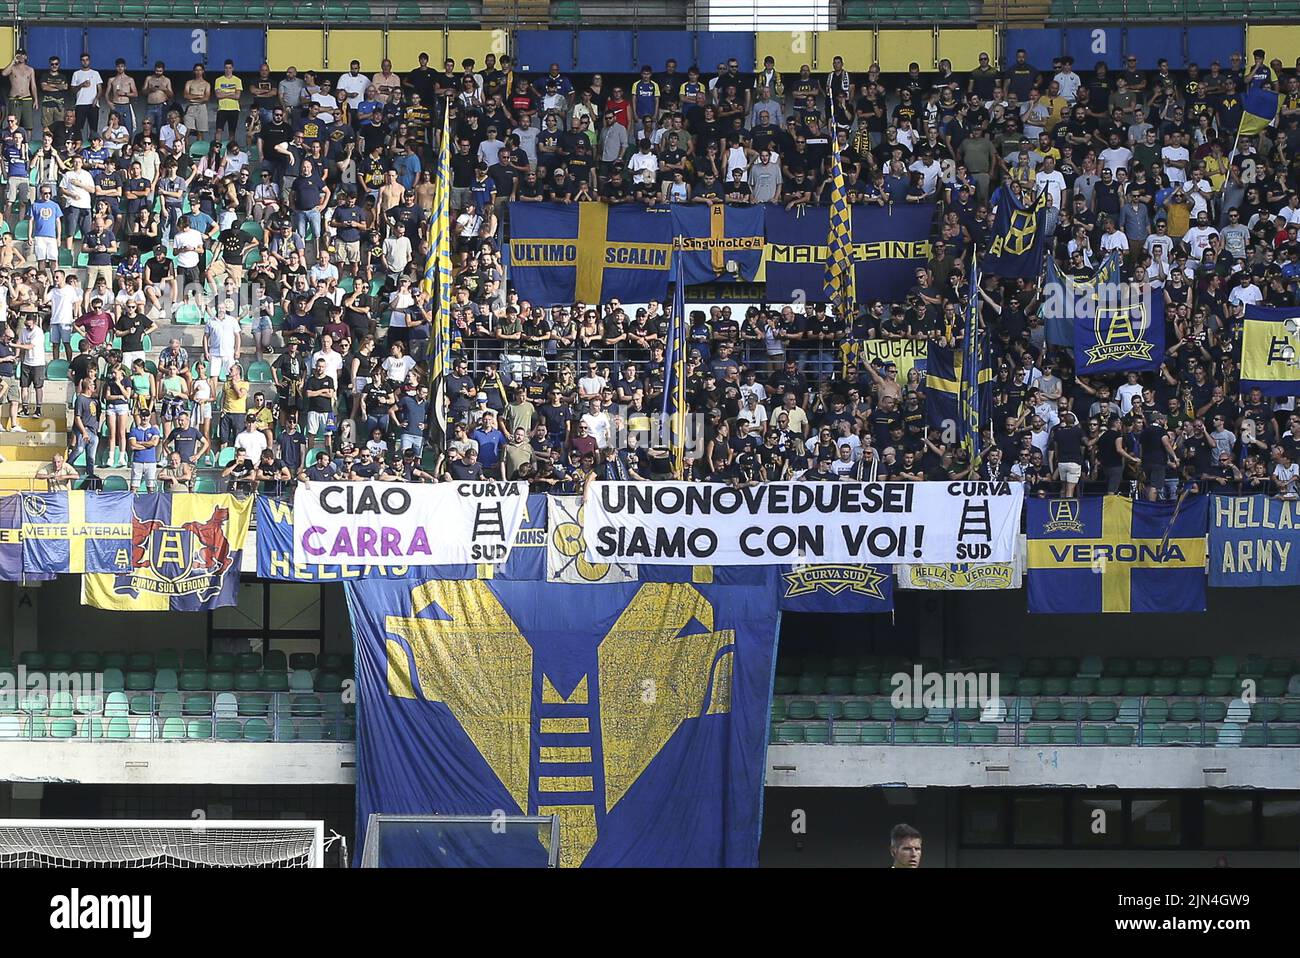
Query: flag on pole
(1259, 108)
(437, 282)
(974, 363)
(839, 241)
(674, 405)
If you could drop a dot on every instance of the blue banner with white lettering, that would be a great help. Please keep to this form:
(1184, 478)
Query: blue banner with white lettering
(889, 243)
(1253, 541)
(637, 713)
(275, 552)
(719, 243)
(842, 589)
(561, 253)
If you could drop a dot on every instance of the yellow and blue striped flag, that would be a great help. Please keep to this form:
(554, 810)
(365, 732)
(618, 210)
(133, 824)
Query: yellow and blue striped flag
(839, 241)
(974, 360)
(437, 281)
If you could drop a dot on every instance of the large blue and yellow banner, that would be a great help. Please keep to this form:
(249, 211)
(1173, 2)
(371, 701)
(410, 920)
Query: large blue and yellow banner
(274, 538)
(11, 542)
(888, 244)
(1018, 240)
(950, 402)
(1112, 554)
(1065, 298)
(185, 553)
(718, 243)
(637, 713)
(1253, 541)
(68, 532)
(560, 253)
(1270, 350)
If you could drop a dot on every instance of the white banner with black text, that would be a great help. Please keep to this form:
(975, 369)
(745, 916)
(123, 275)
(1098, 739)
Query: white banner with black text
(777, 523)
(391, 523)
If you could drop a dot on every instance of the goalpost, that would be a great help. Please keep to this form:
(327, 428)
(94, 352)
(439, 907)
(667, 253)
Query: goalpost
(461, 841)
(180, 843)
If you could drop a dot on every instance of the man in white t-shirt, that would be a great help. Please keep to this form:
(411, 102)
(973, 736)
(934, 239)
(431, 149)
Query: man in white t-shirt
(328, 355)
(1175, 158)
(598, 424)
(188, 246)
(221, 342)
(1116, 156)
(252, 440)
(352, 85)
(1198, 237)
(1050, 179)
(590, 385)
(31, 346)
(1246, 292)
(89, 85)
(1129, 393)
(76, 189)
(65, 306)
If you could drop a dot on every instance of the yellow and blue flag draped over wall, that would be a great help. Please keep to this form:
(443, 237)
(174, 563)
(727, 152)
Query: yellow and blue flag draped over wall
(888, 245)
(11, 542)
(1270, 350)
(1018, 240)
(437, 283)
(958, 400)
(1259, 108)
(1111, 554)
(838, 283)
(184, 555)
(710, 237)
(560, 253)
(76, 532)
(274, 539)
(1064, 297)
(637, 713)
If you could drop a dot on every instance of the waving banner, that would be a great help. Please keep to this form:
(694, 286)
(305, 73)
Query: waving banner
(635, 712)
(388, 524)
(688, 523)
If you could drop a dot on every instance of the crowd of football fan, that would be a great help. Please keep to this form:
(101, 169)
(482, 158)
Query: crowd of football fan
(132, 201)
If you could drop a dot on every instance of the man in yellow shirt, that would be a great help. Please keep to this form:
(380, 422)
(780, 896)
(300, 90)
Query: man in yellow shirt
(228, 88)
(905, 847)
(1057, 106)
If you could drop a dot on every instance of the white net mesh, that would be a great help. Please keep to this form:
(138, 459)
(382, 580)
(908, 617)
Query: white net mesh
(161, 845)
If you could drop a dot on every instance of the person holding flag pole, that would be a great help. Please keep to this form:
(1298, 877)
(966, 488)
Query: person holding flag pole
(839, 281)
(437, 285)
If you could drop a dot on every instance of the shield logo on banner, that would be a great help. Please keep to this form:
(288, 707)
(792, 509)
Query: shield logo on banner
(171, 553)
(1065, 516)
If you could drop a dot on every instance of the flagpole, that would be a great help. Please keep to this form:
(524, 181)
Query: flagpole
(437, 283)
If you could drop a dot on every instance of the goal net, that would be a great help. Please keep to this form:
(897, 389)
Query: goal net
(102, 843)
(461, 841)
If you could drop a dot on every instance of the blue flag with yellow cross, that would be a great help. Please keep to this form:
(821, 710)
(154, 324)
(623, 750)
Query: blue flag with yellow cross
(719, 243)
(561, 253)
(69, 532)
(1111, 554)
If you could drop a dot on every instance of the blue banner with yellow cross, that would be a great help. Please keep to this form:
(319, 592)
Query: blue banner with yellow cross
(561, 253)
(1111, 554)
(635, 712)
(719, 243)
(76, 531)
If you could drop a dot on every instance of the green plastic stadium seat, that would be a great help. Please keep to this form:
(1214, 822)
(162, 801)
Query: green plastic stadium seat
(1184, 711)
(257, 730)
(1163, 685)
(845, 733)
(193, 680)
(1135, 685)
(229, 730)
(1038, 735)
(785, 684)
(1047, 710)
(173, 729)
(198, 703)
(801, 709)
(139, 681)
(198, 729)
(1055, 686)
(839, 685)
(1119, 735)
(1093, 735)
(1073, 711)
(1102, 711)
(1065, 735)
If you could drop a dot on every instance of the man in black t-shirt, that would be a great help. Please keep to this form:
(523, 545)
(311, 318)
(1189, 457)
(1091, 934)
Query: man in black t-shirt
(320, 391)
(1065, 452)
(187, 441)
(1157, 453)
(322, 470)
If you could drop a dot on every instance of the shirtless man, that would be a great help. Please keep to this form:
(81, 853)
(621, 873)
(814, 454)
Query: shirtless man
(54, 94)
(121, 93)
(22, 90)
(158, 94)
(197, 94)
